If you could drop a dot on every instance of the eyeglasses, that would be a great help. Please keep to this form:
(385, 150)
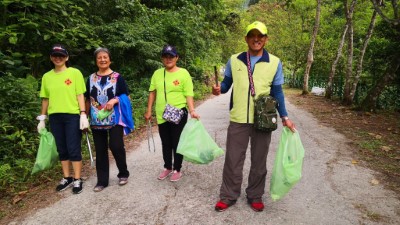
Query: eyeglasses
(168, 56)
(58, 56)
(259, 36)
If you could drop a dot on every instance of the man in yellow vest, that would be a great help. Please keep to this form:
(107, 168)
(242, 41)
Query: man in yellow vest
(251, 73)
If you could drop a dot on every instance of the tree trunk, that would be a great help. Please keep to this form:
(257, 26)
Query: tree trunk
(362, 53)
(350, 48)
(329, 87)
(349, 13)
(369, 103)
(310, 56)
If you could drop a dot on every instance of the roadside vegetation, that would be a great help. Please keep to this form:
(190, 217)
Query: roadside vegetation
(355, 58)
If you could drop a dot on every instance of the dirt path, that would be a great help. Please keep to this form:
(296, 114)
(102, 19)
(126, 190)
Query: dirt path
(332, 190)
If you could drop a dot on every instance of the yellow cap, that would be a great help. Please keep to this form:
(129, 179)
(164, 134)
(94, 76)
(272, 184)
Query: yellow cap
(259, 26)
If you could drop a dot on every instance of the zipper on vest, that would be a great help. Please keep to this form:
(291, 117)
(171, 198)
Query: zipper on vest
(248, 105)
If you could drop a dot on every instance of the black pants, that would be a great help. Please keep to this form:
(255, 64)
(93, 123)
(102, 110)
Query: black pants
(169, 134)
(113, 138)
(66, 132)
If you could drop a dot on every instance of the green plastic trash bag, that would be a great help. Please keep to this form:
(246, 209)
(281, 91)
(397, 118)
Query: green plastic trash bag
(288, 164)
(102, 114)
(196, 145)
(47, 155)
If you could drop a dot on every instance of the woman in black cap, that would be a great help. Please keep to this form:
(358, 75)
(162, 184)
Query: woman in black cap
(172, 85)
(62, 92)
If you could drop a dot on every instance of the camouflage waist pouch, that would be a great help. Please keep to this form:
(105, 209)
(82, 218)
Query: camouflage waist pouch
(265, 116)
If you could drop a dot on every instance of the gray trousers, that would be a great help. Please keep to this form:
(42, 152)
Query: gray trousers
(237, 142)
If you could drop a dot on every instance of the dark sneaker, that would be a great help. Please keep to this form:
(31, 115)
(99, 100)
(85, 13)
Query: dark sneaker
(77, 186)
(64, 184)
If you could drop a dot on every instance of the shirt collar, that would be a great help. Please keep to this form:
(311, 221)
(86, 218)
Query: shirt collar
(264, 58)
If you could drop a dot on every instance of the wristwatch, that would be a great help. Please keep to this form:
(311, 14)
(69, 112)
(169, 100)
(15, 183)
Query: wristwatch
(284, 118)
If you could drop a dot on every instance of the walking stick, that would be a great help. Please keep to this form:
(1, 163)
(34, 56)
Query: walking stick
(90, 150)
(216, 75)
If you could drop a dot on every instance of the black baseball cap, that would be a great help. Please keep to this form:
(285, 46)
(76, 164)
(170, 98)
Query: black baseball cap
(169, 50)
(58, 50)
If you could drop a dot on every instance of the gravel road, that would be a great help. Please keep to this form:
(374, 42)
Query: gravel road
(331, 191)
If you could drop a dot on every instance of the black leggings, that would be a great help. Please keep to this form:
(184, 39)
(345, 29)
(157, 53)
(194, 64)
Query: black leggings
(169, 134)
(102, 140)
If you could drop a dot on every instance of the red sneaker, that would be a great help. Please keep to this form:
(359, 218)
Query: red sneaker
(176, 176)
(164, 174)
(222, 206)
(256, 204)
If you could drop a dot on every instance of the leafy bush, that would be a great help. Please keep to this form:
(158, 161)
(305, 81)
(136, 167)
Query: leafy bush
(139, 94)
(18, 136)
(200, 90)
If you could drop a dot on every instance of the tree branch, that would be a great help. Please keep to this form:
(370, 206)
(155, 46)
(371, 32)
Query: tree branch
(395, 21)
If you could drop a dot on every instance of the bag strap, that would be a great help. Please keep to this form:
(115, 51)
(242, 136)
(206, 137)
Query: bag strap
(250, 72)
(165, 93)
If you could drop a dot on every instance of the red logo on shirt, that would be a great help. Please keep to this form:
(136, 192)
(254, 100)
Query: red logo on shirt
(176, 82)
(68, 82)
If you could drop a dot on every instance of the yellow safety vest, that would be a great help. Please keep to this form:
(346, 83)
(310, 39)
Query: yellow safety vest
(263, 74)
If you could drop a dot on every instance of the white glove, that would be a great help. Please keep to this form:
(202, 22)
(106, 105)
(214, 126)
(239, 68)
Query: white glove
(84, 122)
(41, 126)
(41, 117)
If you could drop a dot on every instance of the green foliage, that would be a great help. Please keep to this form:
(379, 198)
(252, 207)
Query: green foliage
(12, 62)
(5, 176)
(137, 31)
(290, 24)
(200, 90)
(30, 28)
(18, 136)
(139, 95)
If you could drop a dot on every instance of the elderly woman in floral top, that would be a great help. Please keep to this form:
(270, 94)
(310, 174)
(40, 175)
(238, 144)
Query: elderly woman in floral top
(105, 91)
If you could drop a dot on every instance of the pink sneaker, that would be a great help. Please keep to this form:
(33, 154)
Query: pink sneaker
(176, 176)
(164, 174)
